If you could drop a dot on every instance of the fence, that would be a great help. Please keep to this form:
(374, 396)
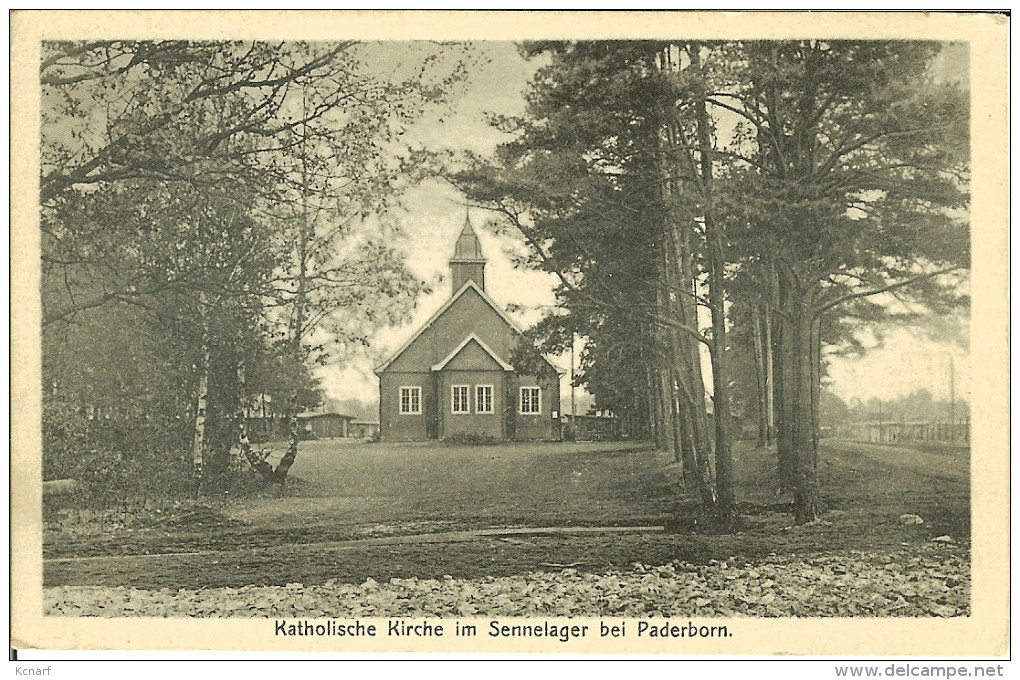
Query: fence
(890, 432)
(590, 428)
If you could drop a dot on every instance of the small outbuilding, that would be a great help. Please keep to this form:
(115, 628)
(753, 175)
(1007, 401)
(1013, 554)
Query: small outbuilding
(324, 425)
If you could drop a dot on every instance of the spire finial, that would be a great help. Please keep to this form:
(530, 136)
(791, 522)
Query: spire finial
(468, 261)
(469, 231)
(468, 227)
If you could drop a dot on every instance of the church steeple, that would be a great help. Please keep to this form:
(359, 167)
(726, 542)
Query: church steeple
(468, 263)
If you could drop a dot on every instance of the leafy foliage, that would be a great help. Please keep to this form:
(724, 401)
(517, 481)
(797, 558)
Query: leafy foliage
(579, 183)
(194, 196)
(820, 185)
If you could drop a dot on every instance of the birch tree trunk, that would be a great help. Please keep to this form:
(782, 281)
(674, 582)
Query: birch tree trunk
(297, 336)
(241, 418)
(294, 434)
(202, 407)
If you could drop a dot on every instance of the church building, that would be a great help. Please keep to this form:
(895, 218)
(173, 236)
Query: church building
(454, 377)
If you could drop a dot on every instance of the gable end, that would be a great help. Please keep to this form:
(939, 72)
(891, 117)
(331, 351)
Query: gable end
(442, 310)
(460, 348)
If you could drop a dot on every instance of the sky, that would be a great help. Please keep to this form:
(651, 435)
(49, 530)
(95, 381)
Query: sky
(896, 362)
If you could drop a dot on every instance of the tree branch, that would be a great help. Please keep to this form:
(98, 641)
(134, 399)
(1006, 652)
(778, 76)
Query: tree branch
(884, 289)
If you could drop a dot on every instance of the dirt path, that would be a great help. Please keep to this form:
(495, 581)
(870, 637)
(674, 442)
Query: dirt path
(430, 512)
(439, 537)
(947, 463)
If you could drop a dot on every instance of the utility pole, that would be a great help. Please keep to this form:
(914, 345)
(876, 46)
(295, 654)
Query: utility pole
(881, 426)
(952, 400)
(573, 396)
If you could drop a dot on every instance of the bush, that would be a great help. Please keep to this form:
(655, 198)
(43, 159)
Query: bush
(116, 461)
(126, 463)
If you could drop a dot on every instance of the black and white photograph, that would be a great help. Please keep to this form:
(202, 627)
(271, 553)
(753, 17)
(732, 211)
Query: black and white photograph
(344, 336)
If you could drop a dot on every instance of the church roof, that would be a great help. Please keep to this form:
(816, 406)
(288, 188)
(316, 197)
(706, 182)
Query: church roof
(449, 303)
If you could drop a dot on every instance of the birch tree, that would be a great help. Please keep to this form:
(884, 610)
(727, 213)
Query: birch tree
(141, 138)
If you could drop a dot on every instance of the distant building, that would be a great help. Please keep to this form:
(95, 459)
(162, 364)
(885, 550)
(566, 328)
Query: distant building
(323, 425)
(454, 376)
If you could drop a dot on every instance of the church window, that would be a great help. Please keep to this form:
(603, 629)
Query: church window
(460, 399)
(531, 400)
(483, 398)
(410, 400)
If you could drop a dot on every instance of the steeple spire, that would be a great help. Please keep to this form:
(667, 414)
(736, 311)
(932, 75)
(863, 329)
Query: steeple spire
(468, 262)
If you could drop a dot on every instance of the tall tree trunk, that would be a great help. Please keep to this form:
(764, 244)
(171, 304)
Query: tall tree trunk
(782, 361)
(681, 453)
(654, 402)
(665, 372)
(653, 408)
(297, 336)
(200, 444)
(770, 381)
(785, 359)
(693, 471)
(688, 352)
(243, 433)
(293, 429)
(685, 427)
(685, 357)
(680, 305)
(717, 303)
(761, 342)
(241, 414)
(816, 382)
(796, 442)
(668, 424)
(761, 376)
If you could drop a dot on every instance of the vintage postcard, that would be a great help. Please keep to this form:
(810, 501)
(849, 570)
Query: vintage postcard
(617, 333)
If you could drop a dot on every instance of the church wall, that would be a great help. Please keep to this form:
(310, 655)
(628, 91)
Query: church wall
(396, 426)
(539, 425)
(472, 423)
(437, 402)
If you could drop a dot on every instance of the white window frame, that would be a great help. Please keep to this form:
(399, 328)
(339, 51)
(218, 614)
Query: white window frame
(492, 395)
(467, 400)
(412, 389)
(537, 410)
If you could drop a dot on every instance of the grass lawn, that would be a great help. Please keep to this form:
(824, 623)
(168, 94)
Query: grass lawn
(540, 484)
(343, 492)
